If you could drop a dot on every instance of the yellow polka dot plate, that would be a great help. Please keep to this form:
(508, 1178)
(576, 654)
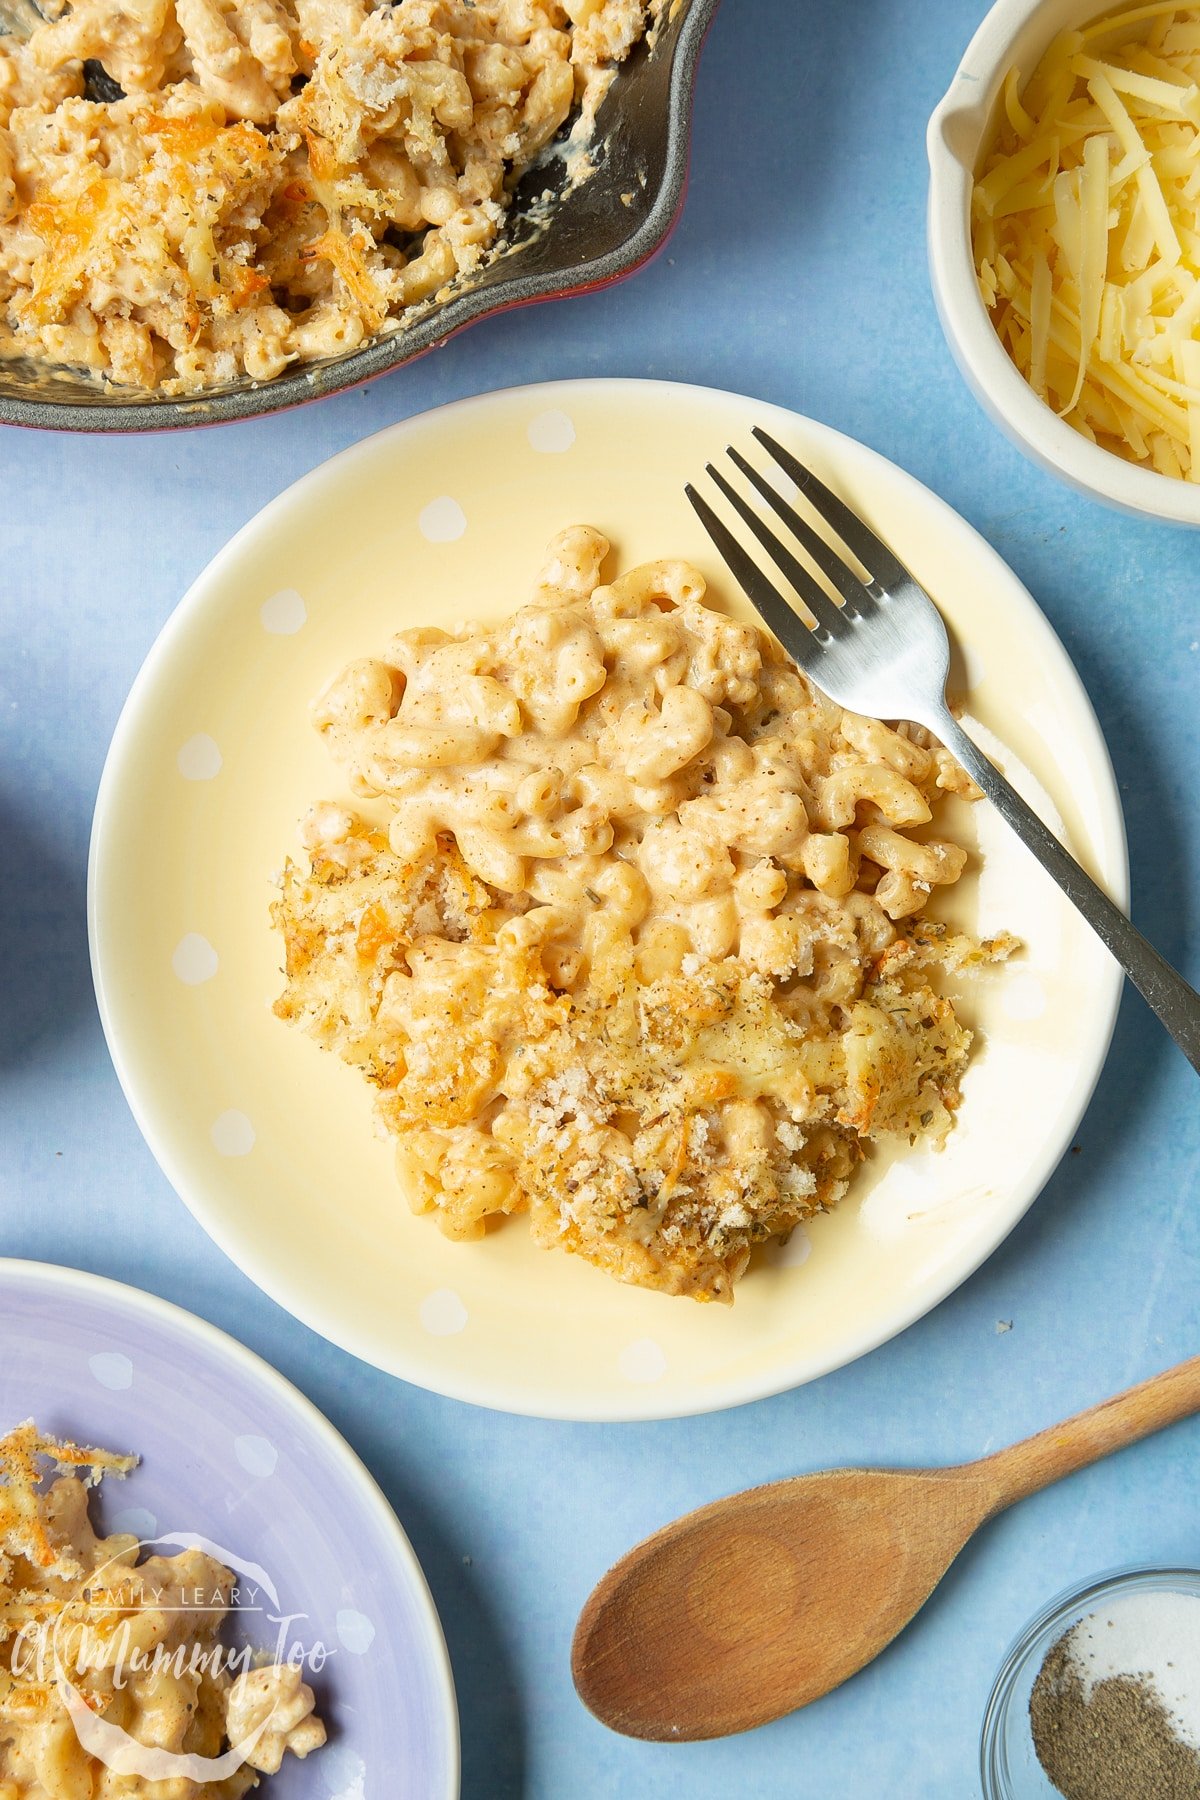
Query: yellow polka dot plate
(271, 1144)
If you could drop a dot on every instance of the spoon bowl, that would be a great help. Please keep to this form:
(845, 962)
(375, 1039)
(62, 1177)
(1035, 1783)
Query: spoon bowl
(762, 1602)
(810, 1578)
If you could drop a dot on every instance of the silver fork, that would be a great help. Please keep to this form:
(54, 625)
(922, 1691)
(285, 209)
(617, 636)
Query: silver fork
(884, 652)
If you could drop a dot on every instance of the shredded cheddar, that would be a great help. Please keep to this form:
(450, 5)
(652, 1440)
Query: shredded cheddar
(347, 259)
(1086, 223)
(68, 229)
(182, 137)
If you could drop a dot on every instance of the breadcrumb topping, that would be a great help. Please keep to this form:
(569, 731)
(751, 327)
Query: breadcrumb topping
(196, 190)
(642, 951)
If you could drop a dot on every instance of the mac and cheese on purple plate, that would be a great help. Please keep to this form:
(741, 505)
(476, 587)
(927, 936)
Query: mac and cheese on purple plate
(138, 1640)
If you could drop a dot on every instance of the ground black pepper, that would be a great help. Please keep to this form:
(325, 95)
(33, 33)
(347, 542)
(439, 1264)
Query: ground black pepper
(1119, 1744)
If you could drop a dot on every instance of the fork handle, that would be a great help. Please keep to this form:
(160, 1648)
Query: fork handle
(1161, 986)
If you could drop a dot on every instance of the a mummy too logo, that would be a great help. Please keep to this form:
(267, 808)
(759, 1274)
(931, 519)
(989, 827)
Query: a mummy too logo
(137, 1658)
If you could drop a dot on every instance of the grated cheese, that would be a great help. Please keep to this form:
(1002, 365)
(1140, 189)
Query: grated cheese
(1086, 220)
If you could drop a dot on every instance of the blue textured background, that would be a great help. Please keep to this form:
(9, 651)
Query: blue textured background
(798, 274)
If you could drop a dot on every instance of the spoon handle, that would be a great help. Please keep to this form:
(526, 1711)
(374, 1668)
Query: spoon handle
(1034, 1463)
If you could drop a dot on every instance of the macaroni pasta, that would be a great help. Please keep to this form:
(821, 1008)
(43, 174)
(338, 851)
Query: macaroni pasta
(639, 949)
(138, 1641)
(192, 190)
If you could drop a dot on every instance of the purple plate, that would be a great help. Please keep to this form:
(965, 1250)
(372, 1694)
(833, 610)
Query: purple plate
(231, 1452)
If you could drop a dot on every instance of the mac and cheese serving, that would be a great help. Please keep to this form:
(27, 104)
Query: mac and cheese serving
(634, 941)
(191, 190)
(132, 1645)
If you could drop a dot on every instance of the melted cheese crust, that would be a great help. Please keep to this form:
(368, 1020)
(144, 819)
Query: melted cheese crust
(639, 951)
(277, 180)
(139, 1640)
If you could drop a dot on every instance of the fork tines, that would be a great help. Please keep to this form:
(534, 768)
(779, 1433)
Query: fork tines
(857, 597)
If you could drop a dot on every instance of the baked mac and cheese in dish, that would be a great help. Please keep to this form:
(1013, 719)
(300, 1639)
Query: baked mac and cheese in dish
(132, 1645)
(630, 937)
(192, 190)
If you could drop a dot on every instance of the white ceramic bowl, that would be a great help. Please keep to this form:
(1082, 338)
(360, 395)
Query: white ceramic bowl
(1016, 32)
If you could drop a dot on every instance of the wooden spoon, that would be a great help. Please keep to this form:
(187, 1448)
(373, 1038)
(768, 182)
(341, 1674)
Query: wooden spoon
(759, 1603)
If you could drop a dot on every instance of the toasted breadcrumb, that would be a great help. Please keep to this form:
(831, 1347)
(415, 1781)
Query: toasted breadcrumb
(138, 1641)
(642, 948)
(621, 1137)
(260, 183)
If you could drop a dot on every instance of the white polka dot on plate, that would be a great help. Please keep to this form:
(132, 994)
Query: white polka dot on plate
(551, 433)
(1023, 995)
(195, 960)
(257, 1455)
(112, 1370)
(643, 1360)
(355, 1631)
(443, 521)
(199, 759)
(232, 1134)
(797, 1250)
(442, 1313)
(284, 613)
(137, 1522)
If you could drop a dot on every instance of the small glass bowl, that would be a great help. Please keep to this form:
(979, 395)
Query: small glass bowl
(1009, 1768)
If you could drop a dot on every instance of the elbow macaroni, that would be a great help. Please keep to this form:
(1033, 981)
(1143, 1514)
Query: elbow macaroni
(278, 179)
(640, 950)
(139, 1641)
